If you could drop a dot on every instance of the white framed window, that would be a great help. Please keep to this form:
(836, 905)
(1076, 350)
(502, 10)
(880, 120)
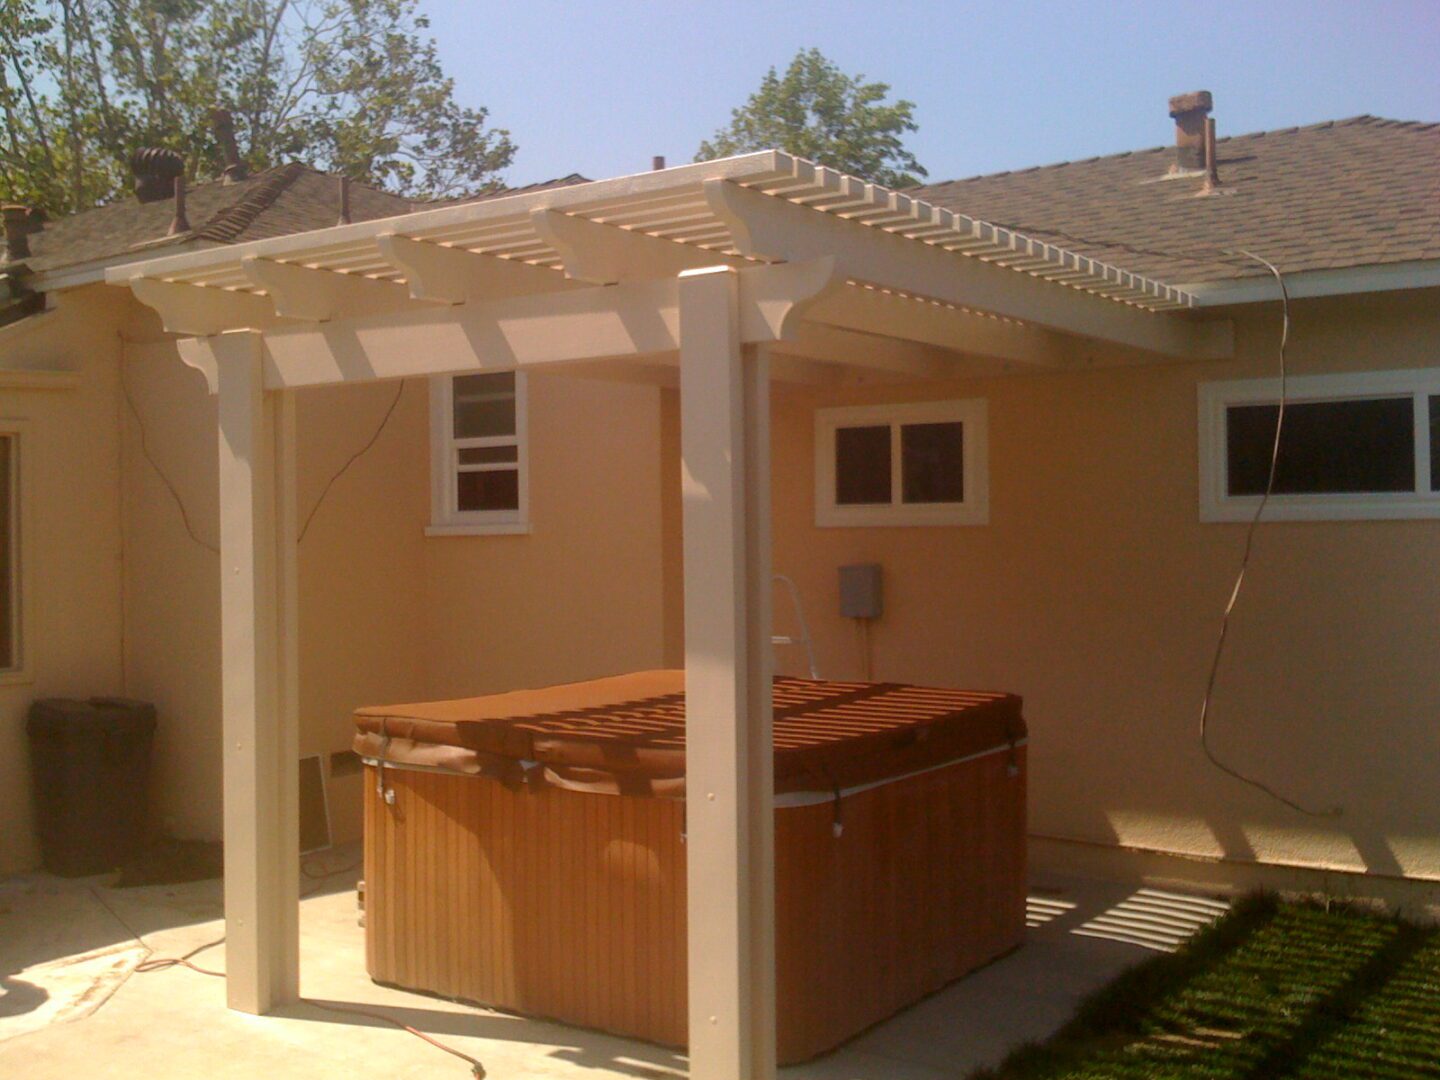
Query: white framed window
(1358, 445)
(920, 463)
(479, 468)
(14, 590)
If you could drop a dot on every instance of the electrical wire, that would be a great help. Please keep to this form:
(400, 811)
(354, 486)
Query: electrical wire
(152, 963)
(1251, 529)
(477, 1070)
(384, 420)
(170, 487)
(180, 503)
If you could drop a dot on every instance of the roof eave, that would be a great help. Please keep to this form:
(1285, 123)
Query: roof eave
(1379, 277)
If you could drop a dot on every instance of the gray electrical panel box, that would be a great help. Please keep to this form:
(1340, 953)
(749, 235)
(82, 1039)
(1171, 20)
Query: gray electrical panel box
(860, 591)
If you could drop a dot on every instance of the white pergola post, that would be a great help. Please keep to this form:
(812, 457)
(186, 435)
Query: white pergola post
(258, 606)
(725, 437)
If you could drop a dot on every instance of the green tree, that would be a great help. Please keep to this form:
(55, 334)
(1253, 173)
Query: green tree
(818, 112)
(350, 86)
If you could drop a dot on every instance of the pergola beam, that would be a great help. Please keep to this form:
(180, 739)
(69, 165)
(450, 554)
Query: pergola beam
(578, 326)
(770, 228)
(200, 311)
(833, 345)
(298, 292)
(607, 254)
(448, 275)
(971, 333)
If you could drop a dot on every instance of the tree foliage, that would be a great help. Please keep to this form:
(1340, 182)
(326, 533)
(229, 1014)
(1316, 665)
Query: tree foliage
(350, 86)
(818, 112)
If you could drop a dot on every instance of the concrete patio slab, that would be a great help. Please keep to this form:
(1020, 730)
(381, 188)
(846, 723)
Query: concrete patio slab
(60, 1018)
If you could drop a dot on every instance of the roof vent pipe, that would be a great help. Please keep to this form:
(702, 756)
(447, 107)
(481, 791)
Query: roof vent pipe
(155, 171)
(1189, 112)
(657, 162)
(222, 123)
(20, 222)
(1212, 162)
(344, 201)
(181, 224)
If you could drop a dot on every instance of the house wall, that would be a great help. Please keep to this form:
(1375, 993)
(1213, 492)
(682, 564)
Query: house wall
(69, 547)
(1096, 593)
(580, 596)
(387, 614)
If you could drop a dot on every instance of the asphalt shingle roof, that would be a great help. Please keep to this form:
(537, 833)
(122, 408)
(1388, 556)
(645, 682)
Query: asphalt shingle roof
(286, 199)
(1345, 193)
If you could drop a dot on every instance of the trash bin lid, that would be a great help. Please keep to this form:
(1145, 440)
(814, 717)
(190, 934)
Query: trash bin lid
(96, 715)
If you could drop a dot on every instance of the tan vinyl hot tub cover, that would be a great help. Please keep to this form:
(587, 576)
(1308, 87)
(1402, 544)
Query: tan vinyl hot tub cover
(626, 734)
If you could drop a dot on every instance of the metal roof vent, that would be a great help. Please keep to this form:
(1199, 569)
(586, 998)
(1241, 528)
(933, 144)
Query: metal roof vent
(155, 171)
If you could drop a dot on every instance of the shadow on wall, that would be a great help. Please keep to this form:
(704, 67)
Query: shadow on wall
(1345, 858)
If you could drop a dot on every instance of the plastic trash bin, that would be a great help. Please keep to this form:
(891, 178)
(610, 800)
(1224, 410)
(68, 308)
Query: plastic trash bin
(90, 773)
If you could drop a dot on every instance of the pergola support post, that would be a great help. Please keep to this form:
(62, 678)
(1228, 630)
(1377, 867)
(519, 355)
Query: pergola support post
(725, 436)
(258, 611)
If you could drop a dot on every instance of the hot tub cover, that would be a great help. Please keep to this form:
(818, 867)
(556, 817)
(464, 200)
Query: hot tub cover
(626, 734)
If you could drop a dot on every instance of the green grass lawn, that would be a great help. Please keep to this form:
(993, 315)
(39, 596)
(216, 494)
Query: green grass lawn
(1273, 990)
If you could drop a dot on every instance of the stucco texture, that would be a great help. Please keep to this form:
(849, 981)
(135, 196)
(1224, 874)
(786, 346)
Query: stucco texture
(387, 613)
(1096, 593)
(69, 546)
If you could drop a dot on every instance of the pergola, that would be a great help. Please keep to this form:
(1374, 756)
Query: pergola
(725, 275)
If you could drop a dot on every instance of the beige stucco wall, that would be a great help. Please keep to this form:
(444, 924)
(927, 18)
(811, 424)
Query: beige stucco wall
(361, 626)
(580, 595)
(386, 613)
(69, 547)
(1096, 593)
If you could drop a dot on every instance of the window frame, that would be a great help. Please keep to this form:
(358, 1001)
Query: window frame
(1216, 398)
(446, 519)
(21, 527)
(974, 509)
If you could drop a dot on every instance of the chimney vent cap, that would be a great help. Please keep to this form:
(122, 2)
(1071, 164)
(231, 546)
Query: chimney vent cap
(1195, 101)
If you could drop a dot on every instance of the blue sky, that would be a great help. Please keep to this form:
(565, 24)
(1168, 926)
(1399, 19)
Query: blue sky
(599, 88)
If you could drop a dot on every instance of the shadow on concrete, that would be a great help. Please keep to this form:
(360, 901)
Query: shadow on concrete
(631, 1058)
(18, 997)
(44, 918)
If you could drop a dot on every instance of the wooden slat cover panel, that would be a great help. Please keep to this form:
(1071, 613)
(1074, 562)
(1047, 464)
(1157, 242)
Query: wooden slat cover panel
(626, 734)
(571, 905)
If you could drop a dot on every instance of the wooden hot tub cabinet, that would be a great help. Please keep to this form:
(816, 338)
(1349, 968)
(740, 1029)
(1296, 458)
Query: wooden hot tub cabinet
(522, 893)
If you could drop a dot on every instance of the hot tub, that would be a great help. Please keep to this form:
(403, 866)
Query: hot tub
(526, 851)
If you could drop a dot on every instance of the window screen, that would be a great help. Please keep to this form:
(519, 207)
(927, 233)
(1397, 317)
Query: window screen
(932, 462)
(862, 465)
(484, 405)
(485, 443)
(1435, 442)
(1326, 447)
(492, 490)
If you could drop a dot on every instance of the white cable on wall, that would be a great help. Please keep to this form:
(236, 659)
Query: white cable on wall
(1207, 702)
